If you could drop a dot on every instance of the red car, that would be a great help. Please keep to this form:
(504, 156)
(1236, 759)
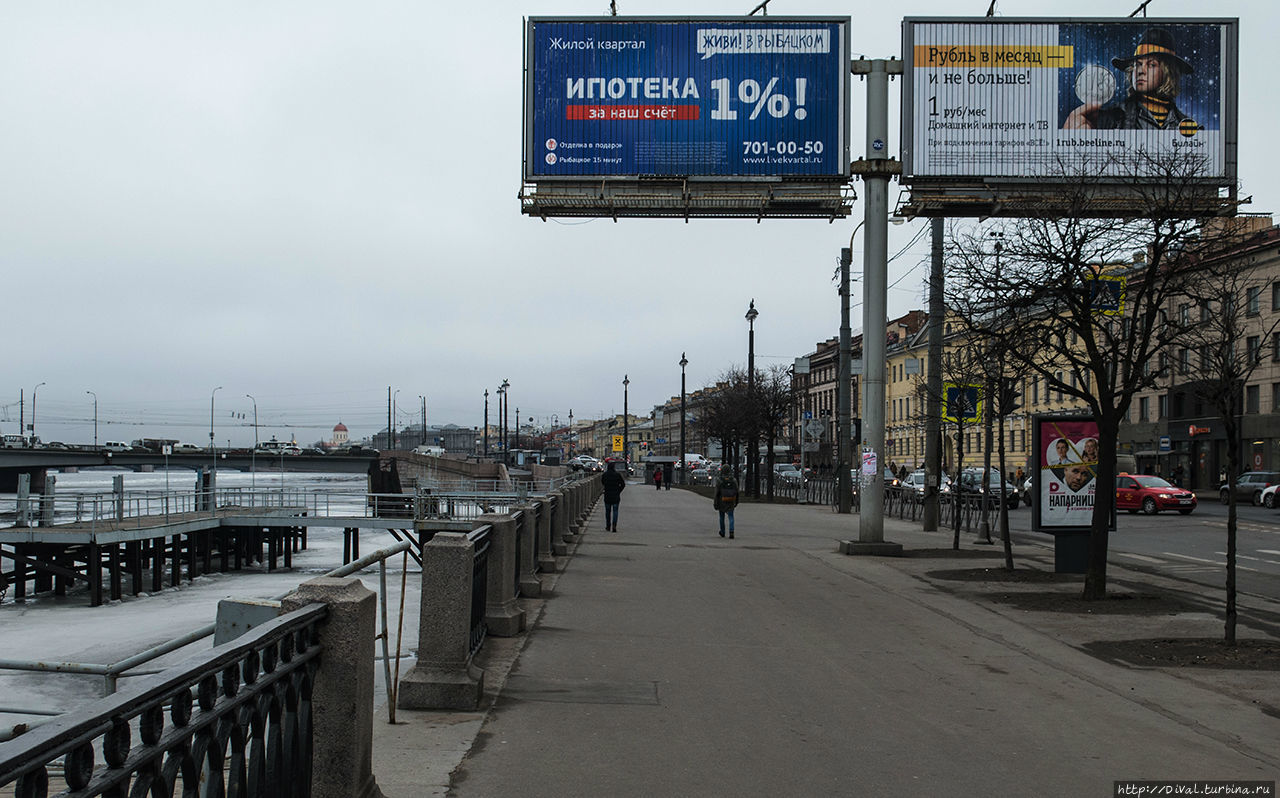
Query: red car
(1149, 494)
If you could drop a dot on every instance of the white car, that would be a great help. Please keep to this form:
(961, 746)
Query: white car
(1269, 498)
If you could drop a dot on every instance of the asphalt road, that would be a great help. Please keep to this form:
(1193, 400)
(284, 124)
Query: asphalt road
(1192, 547)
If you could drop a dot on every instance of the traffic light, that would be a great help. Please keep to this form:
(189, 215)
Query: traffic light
(1010, 396)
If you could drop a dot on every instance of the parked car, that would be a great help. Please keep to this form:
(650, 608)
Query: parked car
(1249, 486)
(1150, 494)
(186, 448)
(115, 446)
(971, 486)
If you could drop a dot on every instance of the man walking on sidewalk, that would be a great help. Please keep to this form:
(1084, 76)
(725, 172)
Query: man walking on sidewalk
(726, 498)
(613, 485)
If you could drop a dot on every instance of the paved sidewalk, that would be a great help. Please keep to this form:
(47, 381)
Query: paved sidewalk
(668, 661)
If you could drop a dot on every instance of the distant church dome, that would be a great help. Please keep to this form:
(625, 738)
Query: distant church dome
(340, 435)
(340, 427)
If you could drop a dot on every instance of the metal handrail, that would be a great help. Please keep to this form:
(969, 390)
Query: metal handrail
(114, 671)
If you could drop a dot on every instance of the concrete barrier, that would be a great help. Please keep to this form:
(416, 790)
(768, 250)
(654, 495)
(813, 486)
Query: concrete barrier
(559, 523)
(445, 676)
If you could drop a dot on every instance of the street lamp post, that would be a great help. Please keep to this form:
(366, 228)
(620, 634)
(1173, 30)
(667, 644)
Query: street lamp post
(95, 418)
(753, 444)
(626, 425)
(394, 397)
(34, 391)
(684, 478)
(506, 406)
(486, 422)
(253, 455)
(213, 448)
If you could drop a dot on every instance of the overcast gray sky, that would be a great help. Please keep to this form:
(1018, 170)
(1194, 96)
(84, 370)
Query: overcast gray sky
(311, 201)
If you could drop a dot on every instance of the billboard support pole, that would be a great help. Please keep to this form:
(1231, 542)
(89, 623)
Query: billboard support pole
(933, 395)
(875, 175)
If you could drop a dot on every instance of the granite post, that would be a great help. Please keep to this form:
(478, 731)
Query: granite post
(444, 676)
(342, 696)
(503, 614)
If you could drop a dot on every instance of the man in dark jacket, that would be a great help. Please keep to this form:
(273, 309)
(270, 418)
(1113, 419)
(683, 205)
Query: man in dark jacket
(613, 485)
(726, 498)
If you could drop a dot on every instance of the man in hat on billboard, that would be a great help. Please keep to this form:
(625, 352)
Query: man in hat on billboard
(1153, 75)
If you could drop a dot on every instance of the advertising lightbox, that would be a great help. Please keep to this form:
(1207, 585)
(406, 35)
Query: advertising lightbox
(727, 98)
(1038, 100)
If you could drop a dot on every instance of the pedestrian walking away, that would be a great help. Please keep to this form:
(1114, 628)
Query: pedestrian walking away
(726, 498)
(657, 478)
(613, 485)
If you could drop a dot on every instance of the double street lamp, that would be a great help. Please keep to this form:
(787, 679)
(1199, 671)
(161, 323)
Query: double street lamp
(626, 421)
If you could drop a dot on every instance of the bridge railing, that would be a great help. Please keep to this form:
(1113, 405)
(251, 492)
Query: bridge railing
(137, 508)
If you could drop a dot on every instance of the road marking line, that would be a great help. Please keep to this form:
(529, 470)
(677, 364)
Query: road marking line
(1247, 557)
(1222, 564)
(1143, 557)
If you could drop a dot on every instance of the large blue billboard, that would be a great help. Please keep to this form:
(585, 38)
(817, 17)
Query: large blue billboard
(736, 98)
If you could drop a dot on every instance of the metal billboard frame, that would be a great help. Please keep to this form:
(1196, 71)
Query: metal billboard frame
(688, 196)
(1098, 196)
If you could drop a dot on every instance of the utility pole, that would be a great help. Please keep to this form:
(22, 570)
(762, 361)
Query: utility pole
(423, 442)
(486, 422)
(684, 477)
(389, 444)
(876, 169)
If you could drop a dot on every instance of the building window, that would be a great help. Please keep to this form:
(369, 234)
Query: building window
(1253, 346)
(1035, 387)
(1251, 398)
(1184, 360)
(1275, 345)
(1143, 404)
(1252, 298)
(1184, 314)
(1162, 406)
(1275, 394)
(1275, 296)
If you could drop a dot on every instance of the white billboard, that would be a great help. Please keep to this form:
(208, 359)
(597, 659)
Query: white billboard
(1037, 99)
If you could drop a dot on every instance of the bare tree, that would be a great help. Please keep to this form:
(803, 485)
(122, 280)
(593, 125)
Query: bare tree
(1228, 301)
(1044, 308)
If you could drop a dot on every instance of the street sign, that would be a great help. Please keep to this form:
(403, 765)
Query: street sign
(962, 403)
(1166, 444)
(617, 443)
(815, 428)
(661, 440)
(810, 446)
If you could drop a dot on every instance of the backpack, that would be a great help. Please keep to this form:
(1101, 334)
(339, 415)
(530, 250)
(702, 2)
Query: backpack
(728, 496)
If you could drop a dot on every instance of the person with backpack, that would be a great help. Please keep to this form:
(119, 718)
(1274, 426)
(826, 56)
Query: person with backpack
(657, 477)
(613, 485)
(726, 498)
